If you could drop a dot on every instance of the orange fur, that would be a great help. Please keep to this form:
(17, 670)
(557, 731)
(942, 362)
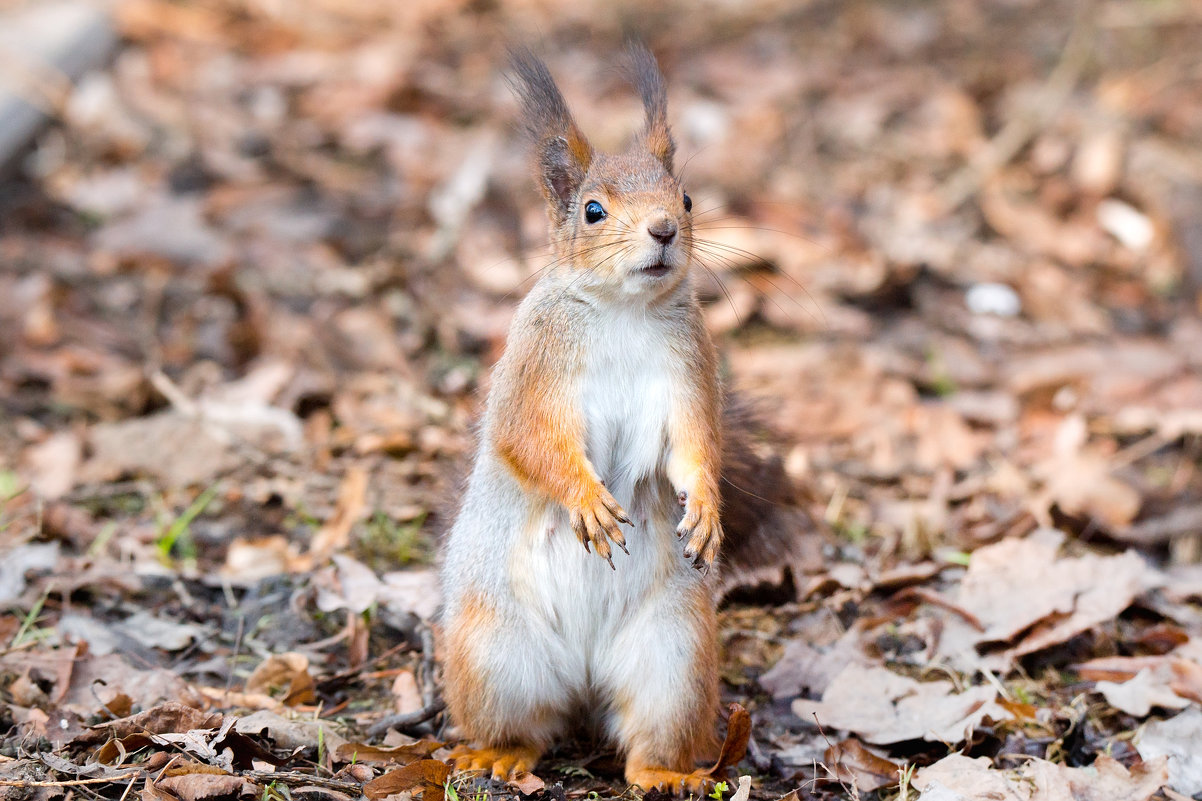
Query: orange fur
(539, 434)
(542, 440)
(463, 678)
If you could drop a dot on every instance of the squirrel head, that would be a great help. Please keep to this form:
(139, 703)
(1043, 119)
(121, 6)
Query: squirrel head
(621, 220)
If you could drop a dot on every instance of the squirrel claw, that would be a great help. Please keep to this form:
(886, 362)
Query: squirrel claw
(596, 523)
(703, 532)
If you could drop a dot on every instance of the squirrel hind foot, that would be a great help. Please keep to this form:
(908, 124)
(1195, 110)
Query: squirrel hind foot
(699, 782)
(502, 763)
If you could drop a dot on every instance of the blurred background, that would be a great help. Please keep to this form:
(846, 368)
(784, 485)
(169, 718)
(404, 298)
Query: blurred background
(958, 245)
(258, 256)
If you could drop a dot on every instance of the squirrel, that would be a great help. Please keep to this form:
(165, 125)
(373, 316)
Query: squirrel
(605, 430)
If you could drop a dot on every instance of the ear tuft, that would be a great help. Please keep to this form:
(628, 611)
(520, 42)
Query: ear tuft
(644, 73)
(561, 149)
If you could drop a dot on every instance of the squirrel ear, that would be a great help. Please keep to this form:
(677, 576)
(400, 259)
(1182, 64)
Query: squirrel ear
(645, 75)
(562, 164)
(563, 153)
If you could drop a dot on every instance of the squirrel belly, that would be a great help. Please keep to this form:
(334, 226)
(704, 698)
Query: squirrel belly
(539, 630)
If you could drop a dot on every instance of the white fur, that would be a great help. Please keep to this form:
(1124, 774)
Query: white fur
(576, 632)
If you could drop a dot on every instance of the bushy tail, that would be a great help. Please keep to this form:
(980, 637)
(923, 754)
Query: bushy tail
(766, 526)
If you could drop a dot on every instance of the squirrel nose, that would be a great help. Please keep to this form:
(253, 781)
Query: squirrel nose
(663, 230)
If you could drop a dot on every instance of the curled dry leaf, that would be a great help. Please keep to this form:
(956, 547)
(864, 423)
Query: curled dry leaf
(285, 676)
(1024, 593)
(401, 754)
(883, 707)
(852, 763)
(527, 783)
(734, 747)
(163, 719)
(427, 776)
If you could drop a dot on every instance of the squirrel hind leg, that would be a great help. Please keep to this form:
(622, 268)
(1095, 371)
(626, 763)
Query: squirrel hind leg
(661, 674)
(509, 714)
(502, 763)
(698, 783)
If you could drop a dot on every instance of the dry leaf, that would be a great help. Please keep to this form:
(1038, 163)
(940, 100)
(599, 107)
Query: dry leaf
(734, 747)
(959, 778)
(1021, 589)
(291, 734)
(402, 754)
(283, 675)
(527, 783)
(202, 786)
(1179, 740)
(165, 718)
(852, 763)
(882, 707)
(1150, 687)
(427, 776)
(406, 695)
(335, 532)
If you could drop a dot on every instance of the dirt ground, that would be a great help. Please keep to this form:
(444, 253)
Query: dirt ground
(254, 276)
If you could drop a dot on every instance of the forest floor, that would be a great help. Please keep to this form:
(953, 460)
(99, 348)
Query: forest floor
(254, 276)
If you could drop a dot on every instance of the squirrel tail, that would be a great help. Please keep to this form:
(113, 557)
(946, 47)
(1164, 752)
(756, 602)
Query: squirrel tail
(767, 529)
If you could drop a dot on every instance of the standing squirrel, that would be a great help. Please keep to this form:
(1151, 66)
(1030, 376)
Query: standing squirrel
(605, 418)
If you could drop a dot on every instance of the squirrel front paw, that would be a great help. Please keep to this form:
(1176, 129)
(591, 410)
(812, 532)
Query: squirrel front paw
(596, 521)
(702, 530)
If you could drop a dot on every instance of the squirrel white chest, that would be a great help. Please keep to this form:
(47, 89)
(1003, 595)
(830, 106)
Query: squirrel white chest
(625, 395)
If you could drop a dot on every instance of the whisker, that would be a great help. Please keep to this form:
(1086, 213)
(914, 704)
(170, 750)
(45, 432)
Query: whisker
(710, 227)
(754, 259)
(766, 296)
(722, 285)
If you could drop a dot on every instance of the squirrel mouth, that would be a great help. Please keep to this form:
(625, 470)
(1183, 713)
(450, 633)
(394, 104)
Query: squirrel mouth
(657, 270)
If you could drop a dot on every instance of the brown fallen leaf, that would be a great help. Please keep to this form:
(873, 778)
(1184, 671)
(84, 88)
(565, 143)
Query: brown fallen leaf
(199, 786)
(402, 754)
(405, 693)
(120, 705)
(850, 762)
(1177, 673)
(290, 734)
(527, 783)
(285, 675)
(427, 776)
(116, 750)
(166, 718)
(335, 532)
(734, 747)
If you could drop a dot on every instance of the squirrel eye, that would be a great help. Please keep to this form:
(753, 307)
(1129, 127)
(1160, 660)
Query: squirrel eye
(688, 202)
(593, 212)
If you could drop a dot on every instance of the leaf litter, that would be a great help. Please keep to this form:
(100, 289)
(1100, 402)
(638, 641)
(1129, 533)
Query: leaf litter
(253, 278)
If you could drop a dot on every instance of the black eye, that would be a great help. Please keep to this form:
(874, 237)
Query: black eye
(688, 202)
(593, 212)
